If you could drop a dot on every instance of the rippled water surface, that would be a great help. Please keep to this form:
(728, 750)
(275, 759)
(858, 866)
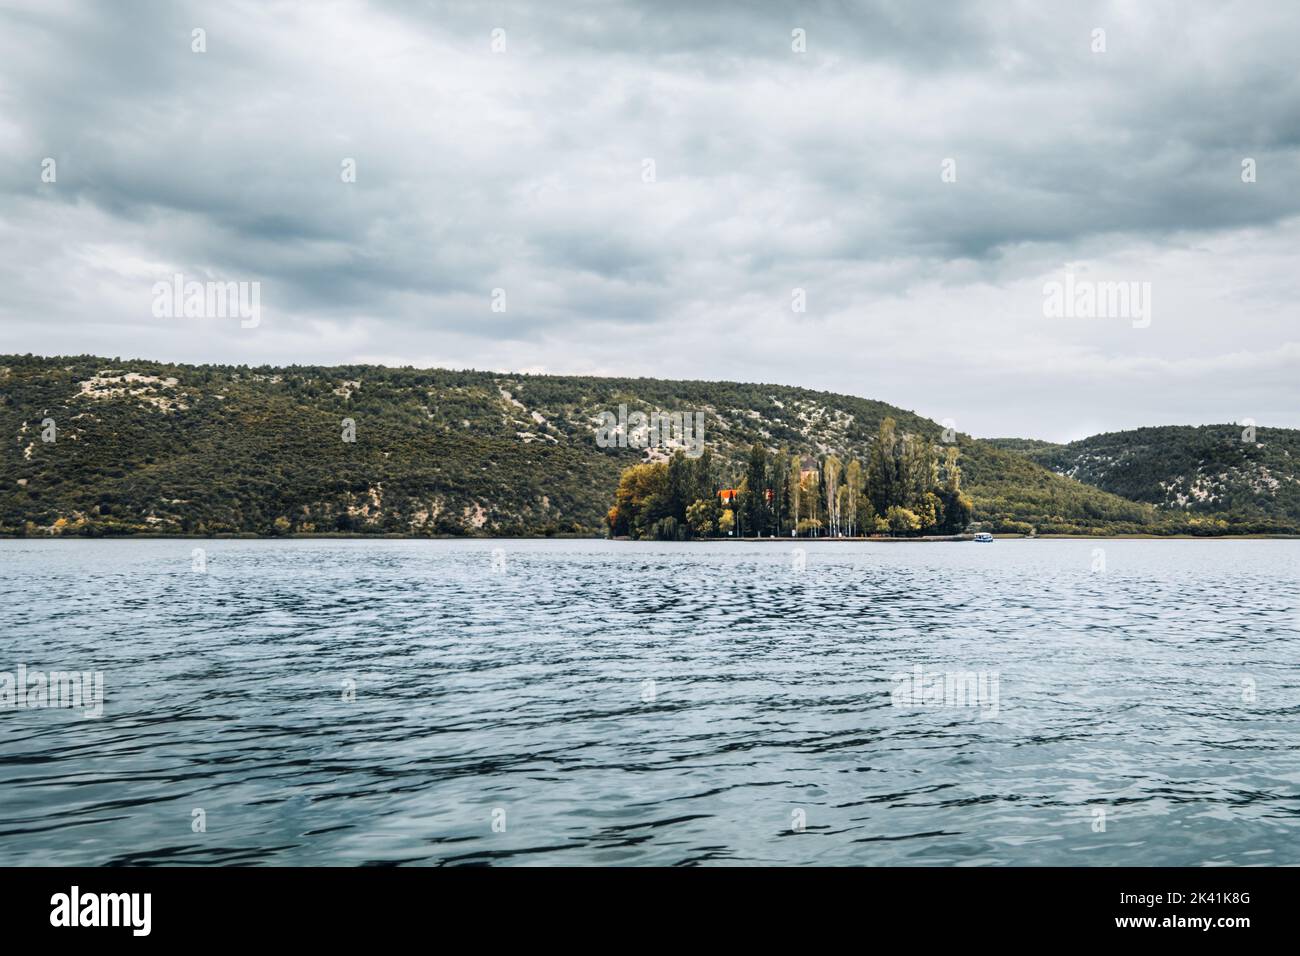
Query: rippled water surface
(507, 716)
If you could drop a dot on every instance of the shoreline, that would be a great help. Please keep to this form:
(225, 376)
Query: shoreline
(920, 539)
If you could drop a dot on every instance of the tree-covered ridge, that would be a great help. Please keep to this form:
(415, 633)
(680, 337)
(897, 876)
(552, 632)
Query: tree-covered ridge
(1241, 477)
(260, 450)
(157, 447)
(901, 489)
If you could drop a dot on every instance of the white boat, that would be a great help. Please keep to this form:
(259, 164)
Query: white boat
(984, 537)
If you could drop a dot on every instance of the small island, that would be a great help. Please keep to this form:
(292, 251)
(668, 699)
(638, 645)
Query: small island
(907, 487)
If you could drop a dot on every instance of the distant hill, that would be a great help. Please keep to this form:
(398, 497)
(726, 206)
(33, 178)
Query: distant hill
(145, 446)
(1206, 470)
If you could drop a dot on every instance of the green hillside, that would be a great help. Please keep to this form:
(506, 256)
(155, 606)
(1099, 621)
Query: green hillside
(1222, 472)
(155, 447)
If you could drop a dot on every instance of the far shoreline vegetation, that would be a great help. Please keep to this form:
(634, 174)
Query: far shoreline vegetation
(904, 490)
(115, 448)
(571, 536)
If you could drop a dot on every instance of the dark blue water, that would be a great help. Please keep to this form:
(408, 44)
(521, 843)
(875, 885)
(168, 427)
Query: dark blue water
(349, 702)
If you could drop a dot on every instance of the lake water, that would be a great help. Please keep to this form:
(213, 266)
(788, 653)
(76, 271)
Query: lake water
(590, 702)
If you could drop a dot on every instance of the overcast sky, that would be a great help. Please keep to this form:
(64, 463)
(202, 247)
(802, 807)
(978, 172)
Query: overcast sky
(524, 169)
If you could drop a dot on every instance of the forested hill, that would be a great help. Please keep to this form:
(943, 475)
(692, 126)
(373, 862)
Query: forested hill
(143, 446)
(1241, 476)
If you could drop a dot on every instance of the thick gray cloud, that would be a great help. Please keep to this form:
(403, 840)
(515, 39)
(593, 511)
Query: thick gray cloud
(775, 170)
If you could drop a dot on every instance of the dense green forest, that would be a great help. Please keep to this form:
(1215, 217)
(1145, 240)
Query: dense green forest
(104, 446)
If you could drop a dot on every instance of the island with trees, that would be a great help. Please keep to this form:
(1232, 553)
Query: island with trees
(905, 486)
